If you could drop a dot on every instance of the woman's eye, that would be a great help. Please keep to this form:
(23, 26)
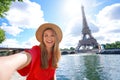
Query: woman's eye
(45, 35)
(52, 35)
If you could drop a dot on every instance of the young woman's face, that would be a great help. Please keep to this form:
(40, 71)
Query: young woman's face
(49, 38)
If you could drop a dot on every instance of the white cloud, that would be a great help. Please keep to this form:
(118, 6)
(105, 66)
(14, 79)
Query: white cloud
(69, 41)
(20, 16)
(108, 20)
(31, 42)
(13, 43)
(10, 43)
(13, 30)
(25, 14)
(73, 31)
(109, 14)
(71, 9)
(105, 28)
(29, 15)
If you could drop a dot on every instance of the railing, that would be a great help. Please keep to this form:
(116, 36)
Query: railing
(9, 51)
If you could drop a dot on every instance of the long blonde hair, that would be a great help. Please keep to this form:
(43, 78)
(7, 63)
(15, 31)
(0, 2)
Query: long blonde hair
(55, 53)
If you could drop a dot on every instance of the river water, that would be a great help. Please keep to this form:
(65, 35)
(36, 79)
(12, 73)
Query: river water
(86, 67)
(89, 67)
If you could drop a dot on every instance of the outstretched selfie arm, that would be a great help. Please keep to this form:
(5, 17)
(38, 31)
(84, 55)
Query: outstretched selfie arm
(9, 64)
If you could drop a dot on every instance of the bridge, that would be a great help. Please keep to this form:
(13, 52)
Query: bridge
(8, 51)
(64, 52)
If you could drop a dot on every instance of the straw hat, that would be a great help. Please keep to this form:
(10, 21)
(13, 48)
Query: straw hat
(44, 26)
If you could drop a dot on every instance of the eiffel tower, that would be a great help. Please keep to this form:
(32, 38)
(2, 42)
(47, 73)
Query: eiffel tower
(87, 40)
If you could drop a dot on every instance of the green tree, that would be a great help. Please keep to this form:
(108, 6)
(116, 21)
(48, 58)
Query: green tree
(107, 46)
(72, 48)
(5, 6)
(2, 35)
(114, 45)
(117, 44)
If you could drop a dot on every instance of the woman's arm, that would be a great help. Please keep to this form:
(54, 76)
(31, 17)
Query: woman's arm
(54, 77)
(9, 64)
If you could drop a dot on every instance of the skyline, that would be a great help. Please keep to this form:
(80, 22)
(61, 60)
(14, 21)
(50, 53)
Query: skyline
(24, 18)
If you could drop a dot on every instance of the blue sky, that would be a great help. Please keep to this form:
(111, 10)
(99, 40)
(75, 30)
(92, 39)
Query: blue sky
(22, 20)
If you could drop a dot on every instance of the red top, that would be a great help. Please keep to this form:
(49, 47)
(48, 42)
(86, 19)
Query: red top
(33, 71)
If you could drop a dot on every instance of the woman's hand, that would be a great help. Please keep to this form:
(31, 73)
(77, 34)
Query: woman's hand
(9, 64)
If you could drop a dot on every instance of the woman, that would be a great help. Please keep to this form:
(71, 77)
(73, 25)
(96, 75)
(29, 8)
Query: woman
(41, 61)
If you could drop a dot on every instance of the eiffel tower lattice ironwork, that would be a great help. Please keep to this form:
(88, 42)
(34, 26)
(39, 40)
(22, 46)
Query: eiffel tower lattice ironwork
(87, 39)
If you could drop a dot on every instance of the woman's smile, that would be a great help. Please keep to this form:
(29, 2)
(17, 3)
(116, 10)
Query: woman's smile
(49, 38)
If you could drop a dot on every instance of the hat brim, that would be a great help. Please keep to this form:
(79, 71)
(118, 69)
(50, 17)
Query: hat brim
(44, 26)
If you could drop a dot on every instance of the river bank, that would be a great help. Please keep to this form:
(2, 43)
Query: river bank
(110, 51)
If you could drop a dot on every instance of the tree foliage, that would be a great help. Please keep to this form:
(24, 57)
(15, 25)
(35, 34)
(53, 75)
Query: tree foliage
(72, 48)
(5, 6)
(2, 35)
(115, 45)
